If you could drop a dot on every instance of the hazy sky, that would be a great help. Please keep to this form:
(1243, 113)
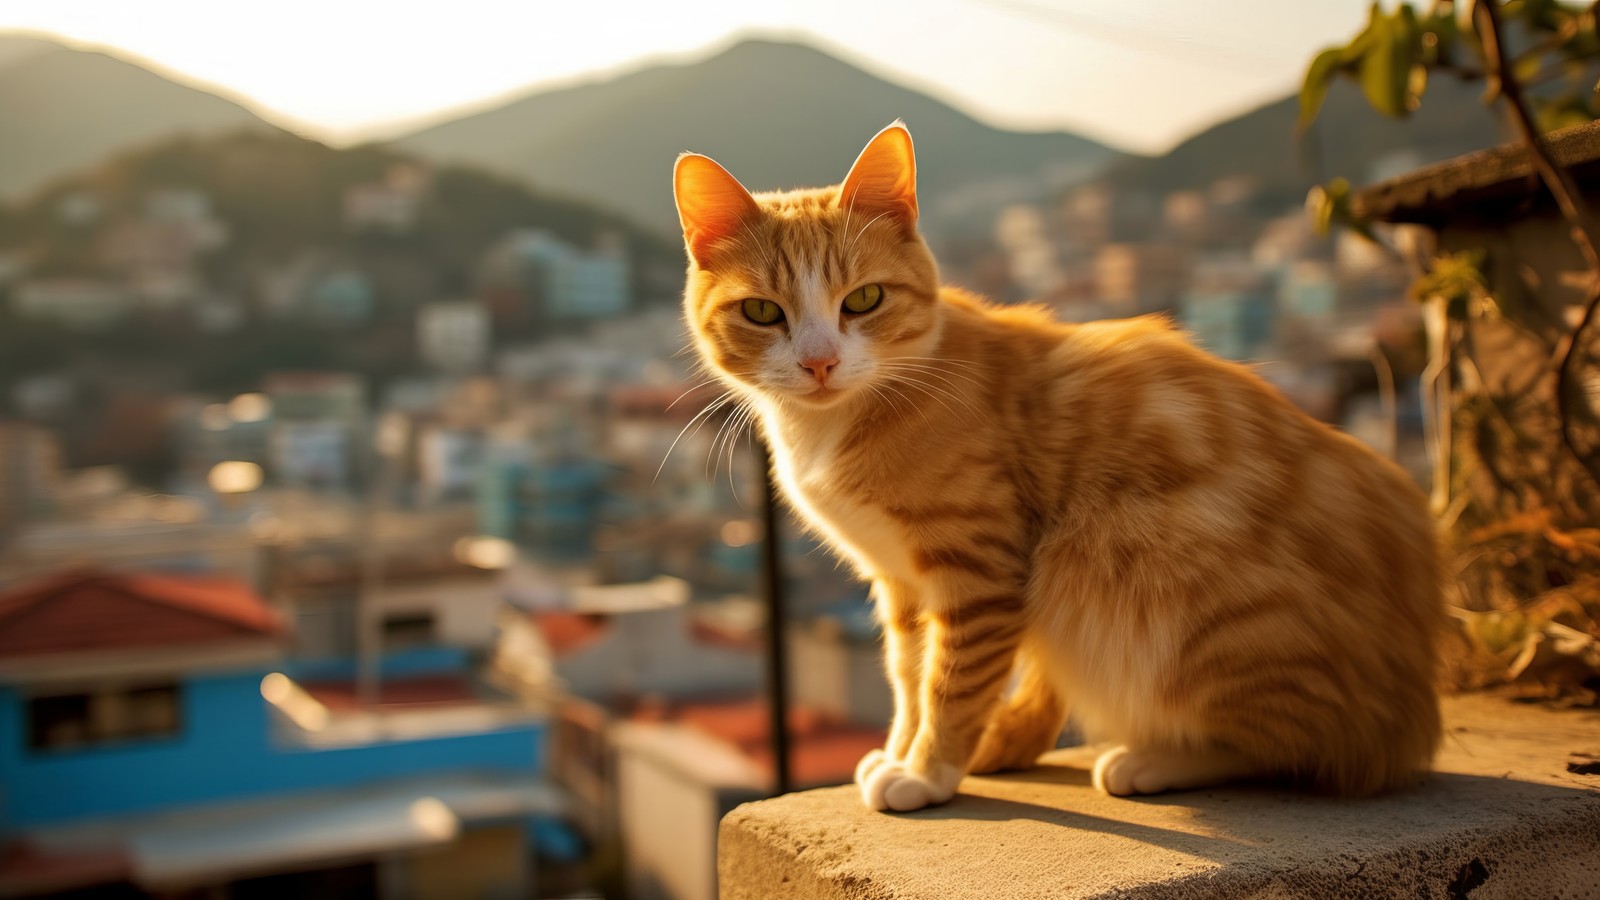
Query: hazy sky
(1141, 74)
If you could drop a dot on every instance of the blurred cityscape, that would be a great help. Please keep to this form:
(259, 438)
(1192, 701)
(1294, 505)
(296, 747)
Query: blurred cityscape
(360, 530)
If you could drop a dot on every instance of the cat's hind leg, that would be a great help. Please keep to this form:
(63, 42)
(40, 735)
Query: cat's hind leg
(1124, 771)
(1026, 725)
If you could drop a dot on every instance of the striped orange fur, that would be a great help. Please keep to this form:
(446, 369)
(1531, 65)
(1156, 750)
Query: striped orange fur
(1216, 585)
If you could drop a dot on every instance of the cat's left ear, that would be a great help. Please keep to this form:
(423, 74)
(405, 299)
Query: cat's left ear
(712, 204)
(884, 177)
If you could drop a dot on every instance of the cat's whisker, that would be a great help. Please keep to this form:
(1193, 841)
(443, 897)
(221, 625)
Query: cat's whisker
(879, 395)
(911, 377)
(745, 413)
(948, 365)
(700, 417)
(849, 246)
(928, 367)
(727, 436)
(903, 406)
(949, 378)
(938, 397)
(849, 208)
(714, 453)
(882, 390)
(934, 365)
(707, 383)
(953, 390)
(949, 360)
(755, 239)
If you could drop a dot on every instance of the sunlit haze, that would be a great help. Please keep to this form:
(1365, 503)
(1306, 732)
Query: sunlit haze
(1139, 74)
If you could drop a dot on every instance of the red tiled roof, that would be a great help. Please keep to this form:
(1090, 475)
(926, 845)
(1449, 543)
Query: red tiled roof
(85, 610)
(822, 759)
(568, 632)
(717, 634)
(411, 691)
(822, 749)
(677, 402)
(26, 869)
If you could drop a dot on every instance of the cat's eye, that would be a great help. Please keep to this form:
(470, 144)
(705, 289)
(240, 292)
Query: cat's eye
(762, 312)
(863, 299)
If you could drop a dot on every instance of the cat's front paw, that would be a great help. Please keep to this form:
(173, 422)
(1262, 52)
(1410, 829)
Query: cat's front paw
(891, 785)
(870, 763)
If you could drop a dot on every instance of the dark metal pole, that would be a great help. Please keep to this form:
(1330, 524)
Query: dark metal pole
(777, 656)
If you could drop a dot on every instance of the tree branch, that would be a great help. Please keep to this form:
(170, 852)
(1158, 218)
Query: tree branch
(1564, 190)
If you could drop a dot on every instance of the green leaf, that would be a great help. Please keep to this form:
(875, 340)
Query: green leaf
(1536, 15)
(1439, 33)
(1319, 77)
(1416, 86)
(1332, 62)
(1527, 67)
(1562, 111)
(1386, 68)
(1584, 43)
(1328, 205)
(1319, 207)
(1454, 277)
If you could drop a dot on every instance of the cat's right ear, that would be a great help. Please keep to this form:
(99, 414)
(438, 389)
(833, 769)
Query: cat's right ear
(712, 204)
(884, 177)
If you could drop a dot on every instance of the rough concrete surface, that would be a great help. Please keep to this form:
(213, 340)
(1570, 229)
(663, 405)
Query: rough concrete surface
(1503, 817)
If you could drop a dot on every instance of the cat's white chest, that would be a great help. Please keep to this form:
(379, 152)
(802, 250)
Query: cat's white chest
(862, 532)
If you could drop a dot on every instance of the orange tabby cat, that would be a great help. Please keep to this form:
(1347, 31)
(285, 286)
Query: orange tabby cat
(1217, 585)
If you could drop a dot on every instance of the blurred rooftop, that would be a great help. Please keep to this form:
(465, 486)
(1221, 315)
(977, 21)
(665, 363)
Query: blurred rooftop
(1493, 177)
(97, 618)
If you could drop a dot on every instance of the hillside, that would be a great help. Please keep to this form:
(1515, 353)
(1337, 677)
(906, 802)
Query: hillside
(64, 109)
(279, 202)
(1348, 139)
(776, 114)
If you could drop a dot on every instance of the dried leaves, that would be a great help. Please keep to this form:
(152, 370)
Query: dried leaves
(1547, 643)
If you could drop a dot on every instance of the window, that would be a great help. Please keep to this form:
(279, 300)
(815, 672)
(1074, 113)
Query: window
(409, 629)
(67, 721)
(325, 626)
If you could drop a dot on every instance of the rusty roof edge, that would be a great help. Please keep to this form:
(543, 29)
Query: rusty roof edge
(1419, 196)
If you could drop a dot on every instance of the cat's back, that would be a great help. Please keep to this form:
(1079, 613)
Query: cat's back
(1196, 517)
(1140, 389)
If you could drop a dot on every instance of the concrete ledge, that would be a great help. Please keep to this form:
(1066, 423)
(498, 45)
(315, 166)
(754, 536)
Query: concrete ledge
(1503, 818)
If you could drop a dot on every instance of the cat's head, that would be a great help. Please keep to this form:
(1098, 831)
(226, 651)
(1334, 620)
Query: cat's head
(809, 296)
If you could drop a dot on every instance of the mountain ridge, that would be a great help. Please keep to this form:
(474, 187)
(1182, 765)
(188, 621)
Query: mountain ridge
(769, 109)
(1349, 139)
(615, 139)
(75, 108)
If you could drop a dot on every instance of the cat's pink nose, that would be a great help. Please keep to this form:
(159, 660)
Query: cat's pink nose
(820, 367)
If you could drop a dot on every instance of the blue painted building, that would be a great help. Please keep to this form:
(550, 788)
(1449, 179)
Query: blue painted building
(1230, 323)
(151, 734)
(552, 507)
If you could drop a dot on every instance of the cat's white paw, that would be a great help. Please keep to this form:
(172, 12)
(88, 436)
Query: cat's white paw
(870, 764)
(893, 786)
(1123, 771)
